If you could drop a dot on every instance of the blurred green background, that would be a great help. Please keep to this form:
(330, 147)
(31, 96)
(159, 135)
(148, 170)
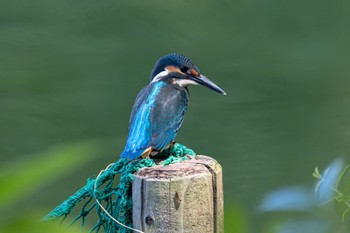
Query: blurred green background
(70, 71)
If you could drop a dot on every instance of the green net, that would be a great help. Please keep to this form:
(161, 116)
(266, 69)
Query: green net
(116, 200)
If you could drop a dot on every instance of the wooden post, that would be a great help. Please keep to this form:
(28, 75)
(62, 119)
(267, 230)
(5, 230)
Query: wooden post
(183, 197)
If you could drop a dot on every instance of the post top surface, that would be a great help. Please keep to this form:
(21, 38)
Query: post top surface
(193, 167)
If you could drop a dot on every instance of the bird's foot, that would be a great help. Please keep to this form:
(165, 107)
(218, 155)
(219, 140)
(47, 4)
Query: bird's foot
(171, 145)
(147, 153)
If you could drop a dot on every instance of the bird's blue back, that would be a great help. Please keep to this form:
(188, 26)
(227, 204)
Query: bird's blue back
(156, 117)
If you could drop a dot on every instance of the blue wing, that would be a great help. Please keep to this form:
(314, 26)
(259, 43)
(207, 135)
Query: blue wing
(156, 117)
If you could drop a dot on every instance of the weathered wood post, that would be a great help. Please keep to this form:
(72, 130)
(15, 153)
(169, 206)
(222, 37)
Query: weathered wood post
(183, 197)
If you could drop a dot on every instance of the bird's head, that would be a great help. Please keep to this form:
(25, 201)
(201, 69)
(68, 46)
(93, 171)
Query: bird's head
(182, 71)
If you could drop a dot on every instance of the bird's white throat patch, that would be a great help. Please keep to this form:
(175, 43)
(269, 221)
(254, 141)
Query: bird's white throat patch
(184, 82)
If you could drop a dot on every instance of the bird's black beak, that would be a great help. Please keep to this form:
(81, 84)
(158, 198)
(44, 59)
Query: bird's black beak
(201, 79)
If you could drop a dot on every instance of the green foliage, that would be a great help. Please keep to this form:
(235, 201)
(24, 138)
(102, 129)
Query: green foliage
(28, 222)
(235, 218)
(319, 207)
(341, 196)
(20, 179)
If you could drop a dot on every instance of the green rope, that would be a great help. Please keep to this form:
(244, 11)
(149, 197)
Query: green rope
(117, 200)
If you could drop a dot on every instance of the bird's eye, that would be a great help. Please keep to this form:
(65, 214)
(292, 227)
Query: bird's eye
(184, 69)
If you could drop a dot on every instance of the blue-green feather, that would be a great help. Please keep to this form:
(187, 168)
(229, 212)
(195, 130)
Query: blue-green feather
(156, 117)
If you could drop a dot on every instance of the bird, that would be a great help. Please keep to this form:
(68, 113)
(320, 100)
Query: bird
(160, 107)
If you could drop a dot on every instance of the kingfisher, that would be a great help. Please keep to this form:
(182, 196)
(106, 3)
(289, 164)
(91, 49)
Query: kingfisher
(160, 107)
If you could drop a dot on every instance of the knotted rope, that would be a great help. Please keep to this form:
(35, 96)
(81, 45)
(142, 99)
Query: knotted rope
(113, 201)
